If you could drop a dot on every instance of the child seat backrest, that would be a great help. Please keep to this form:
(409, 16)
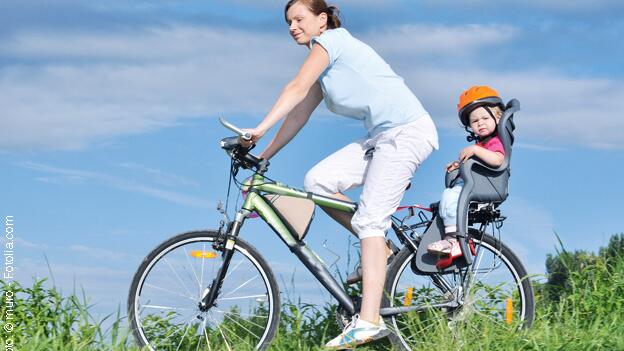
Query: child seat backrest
(482, 184)
(485, 183)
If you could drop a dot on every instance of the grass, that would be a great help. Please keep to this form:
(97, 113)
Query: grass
(579, 307)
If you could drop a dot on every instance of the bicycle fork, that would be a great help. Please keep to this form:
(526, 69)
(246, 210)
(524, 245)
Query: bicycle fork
(212, 291)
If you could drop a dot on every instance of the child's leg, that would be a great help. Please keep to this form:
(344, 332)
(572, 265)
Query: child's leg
(448, 206)
(448, 213)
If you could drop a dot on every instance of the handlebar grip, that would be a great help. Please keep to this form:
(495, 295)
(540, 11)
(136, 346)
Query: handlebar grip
(246, 136)
(235, 129)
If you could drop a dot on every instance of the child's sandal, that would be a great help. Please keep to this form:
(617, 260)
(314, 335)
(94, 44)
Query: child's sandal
(443, 247)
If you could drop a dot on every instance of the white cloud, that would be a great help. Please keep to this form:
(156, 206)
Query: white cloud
(101, 254)
(91, 87)
(553, 5)
(73, 175)
(537, 147)
(120, 84)
(159, 176)
(555, 110)
(279, 4)
(428, 40)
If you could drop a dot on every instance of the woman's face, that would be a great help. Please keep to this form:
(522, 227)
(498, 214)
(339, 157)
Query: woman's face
(304, 24)
(481, 123)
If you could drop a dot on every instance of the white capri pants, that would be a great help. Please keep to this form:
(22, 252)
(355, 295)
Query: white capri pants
(399, 151)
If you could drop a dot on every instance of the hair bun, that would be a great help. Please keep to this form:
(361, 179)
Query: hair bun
(333, 12)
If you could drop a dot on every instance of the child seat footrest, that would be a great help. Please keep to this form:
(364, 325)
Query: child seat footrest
(447, 261)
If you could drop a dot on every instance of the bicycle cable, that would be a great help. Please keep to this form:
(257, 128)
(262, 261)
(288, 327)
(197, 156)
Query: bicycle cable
(227, 199)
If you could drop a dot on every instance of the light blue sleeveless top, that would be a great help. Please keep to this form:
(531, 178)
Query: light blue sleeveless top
(359, 84)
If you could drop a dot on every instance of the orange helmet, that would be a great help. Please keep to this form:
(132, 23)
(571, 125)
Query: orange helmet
(474, 97)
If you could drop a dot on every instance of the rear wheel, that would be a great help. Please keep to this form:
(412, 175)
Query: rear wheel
(163, 303)
(496, 290)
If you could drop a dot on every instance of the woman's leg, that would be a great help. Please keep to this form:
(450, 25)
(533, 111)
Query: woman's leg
(396, 158)
(344, 218)
(374, 269)
(340, 171)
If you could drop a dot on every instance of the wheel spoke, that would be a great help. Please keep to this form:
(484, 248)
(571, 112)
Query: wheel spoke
(242, 313)
(168, 315)
(483, 291)
(186, 329)
(240, 286)
(222, 335)
(178, 277)
(168, 308)
(186, 255)
(241, 297)
(171, 292)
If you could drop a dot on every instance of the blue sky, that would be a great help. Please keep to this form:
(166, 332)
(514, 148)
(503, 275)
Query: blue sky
(108, 128)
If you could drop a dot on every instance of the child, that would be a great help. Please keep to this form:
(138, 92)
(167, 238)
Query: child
(480, 109)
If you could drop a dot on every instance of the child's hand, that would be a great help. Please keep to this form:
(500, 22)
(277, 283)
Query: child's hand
(452, 166)
(467, 152)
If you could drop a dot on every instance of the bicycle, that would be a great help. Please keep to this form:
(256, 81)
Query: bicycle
(228, 295)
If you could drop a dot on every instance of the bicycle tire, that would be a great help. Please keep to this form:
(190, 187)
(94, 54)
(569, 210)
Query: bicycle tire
(147, 328)
(401, 265)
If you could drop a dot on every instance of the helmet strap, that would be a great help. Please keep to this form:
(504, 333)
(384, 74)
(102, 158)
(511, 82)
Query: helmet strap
(472, 137)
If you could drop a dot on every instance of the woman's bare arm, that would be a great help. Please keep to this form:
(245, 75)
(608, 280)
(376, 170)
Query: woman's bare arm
(295, 120)
(295, 91)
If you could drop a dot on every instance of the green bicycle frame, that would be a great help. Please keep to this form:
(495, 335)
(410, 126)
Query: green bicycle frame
(255, 201)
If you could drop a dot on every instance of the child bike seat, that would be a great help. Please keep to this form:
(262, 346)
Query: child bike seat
(482, 184)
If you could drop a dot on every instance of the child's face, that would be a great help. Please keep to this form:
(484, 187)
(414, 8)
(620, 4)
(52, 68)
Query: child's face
(481, 123)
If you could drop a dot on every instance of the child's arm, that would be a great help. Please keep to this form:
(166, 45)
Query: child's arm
(450, 167)
(492, 158)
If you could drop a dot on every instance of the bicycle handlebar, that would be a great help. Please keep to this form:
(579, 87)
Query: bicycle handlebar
(243, 135)
(239, 152)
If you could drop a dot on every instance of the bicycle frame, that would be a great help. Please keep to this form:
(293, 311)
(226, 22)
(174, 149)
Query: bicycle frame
(256, 202)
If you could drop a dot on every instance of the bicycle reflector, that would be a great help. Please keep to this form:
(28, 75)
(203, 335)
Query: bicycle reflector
(407, 301)
(203, 254)
(509, 311)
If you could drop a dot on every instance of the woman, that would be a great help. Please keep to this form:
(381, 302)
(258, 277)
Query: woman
(355, 82)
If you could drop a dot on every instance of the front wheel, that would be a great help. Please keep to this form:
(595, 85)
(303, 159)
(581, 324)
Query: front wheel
(164, 298)
(496, 288)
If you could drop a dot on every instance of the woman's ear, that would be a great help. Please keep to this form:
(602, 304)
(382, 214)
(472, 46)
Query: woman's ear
(323, 19)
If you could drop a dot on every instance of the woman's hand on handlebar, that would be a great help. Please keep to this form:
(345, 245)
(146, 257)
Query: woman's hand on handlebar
(256, 134)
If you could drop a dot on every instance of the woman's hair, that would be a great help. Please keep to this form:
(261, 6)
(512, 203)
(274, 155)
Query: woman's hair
(317, 7)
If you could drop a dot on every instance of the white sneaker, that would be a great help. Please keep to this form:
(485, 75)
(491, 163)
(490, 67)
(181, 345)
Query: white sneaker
(358, 332)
